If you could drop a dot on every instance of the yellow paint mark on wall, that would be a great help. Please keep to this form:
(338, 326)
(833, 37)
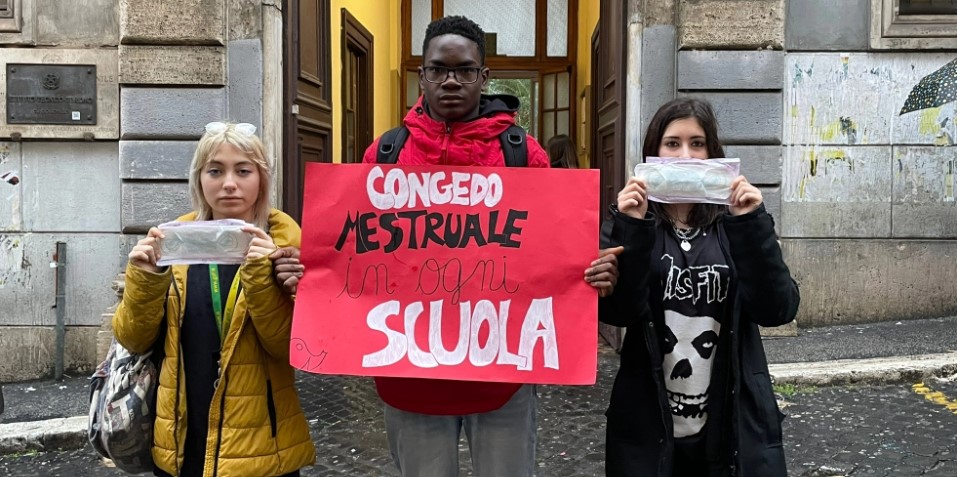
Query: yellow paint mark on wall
(829, 132)
(794, 111)
(935, 397)
(813, 116)
(811, 157)
(929, 121)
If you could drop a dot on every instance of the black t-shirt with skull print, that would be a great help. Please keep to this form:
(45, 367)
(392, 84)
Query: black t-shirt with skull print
(694, 286)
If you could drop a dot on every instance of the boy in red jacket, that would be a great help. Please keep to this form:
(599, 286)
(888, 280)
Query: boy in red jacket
(453, 123)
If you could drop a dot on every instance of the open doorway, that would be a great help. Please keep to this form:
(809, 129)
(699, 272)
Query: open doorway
(523, 88)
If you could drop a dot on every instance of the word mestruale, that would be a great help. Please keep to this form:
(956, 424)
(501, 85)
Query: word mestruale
(398, 191)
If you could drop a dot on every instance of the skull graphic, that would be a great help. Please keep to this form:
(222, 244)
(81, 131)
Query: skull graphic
(689, 346)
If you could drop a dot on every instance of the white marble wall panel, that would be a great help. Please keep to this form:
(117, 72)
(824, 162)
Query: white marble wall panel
(831, 191)
(923, 202)
(856, 98)
(28, 283)
(11, 187)
(71, 187)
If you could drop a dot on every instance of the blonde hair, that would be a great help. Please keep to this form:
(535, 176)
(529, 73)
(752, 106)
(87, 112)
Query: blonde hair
(253, 147)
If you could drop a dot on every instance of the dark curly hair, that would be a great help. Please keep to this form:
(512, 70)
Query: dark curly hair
(456, 25)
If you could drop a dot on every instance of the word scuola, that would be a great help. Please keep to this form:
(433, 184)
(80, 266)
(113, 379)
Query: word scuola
(422, 228)
(538, 326)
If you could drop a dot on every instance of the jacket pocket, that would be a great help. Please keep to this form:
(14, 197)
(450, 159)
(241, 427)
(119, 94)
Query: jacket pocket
(271, 407)
(767, 408)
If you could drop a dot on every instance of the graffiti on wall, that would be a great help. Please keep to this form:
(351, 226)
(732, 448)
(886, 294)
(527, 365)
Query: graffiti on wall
(12, 261)
(10, 177)
(10, 185)
(844, 140)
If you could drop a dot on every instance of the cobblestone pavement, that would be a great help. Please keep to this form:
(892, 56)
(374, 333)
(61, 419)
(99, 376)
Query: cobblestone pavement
(840, 431)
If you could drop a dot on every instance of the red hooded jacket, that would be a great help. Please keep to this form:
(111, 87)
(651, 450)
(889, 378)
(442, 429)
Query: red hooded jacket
(461, 143)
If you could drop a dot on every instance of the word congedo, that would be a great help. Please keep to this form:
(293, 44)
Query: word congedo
(401, 189)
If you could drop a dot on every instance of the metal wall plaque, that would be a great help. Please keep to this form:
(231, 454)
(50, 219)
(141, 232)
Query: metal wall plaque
(51, 94)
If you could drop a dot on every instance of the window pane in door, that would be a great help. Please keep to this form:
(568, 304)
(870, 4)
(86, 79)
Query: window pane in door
(411, 88)
(563, 90)
(548, 126)
(512, 21)
(421, 17)
(557, 27)
(561, 126)
(548, 86)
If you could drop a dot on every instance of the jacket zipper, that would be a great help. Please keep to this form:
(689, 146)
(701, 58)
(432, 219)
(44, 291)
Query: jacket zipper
(179, 363)
(650, 337)
(667, 424)
(445, 143)
(222, 416)
(271, 407)
(734, 374)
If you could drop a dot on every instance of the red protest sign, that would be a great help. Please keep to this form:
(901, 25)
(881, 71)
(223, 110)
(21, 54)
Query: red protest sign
(460, 273)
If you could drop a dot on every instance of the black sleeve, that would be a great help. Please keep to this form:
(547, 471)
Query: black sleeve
(770, 297)
(628, 304)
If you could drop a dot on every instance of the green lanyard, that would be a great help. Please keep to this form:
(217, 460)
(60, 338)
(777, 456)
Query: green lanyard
(222, 320)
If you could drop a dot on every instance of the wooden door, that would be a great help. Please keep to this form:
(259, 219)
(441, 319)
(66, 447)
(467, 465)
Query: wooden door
(307, 134)
(357, 91)
(608, 118)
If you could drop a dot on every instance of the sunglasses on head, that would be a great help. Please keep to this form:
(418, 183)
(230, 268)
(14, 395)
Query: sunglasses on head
(217, 127)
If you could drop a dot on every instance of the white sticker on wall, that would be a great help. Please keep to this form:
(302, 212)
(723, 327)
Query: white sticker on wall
(76, 115)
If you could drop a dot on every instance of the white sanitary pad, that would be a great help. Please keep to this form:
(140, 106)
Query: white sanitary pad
(675, 181)
(207, 241)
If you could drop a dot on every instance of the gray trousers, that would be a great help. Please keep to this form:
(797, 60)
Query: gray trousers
(501, 442)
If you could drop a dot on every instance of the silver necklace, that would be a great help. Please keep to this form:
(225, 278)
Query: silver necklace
(686, 236)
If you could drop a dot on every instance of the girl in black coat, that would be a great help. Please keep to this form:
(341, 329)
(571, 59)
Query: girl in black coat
(693, 396)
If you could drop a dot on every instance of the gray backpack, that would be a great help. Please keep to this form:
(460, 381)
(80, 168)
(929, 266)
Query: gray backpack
(123, 408)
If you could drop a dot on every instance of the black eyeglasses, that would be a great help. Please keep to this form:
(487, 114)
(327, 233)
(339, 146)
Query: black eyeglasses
(462, 74)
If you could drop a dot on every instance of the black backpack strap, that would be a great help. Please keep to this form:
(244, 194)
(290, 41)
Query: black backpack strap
(514, 146)
(390, 144)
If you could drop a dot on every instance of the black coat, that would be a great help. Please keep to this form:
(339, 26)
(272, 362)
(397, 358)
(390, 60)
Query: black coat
(743, 435)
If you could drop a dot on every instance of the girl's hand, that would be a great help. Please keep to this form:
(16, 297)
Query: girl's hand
(603, 273)
(633, 199)
(261, 244)
(147, 251)
(744, 197)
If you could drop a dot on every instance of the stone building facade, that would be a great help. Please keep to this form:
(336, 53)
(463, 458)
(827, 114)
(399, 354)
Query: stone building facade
(163, 70)
(807, 94)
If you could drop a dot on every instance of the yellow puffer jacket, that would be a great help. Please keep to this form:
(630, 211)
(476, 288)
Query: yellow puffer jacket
(261, 431)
